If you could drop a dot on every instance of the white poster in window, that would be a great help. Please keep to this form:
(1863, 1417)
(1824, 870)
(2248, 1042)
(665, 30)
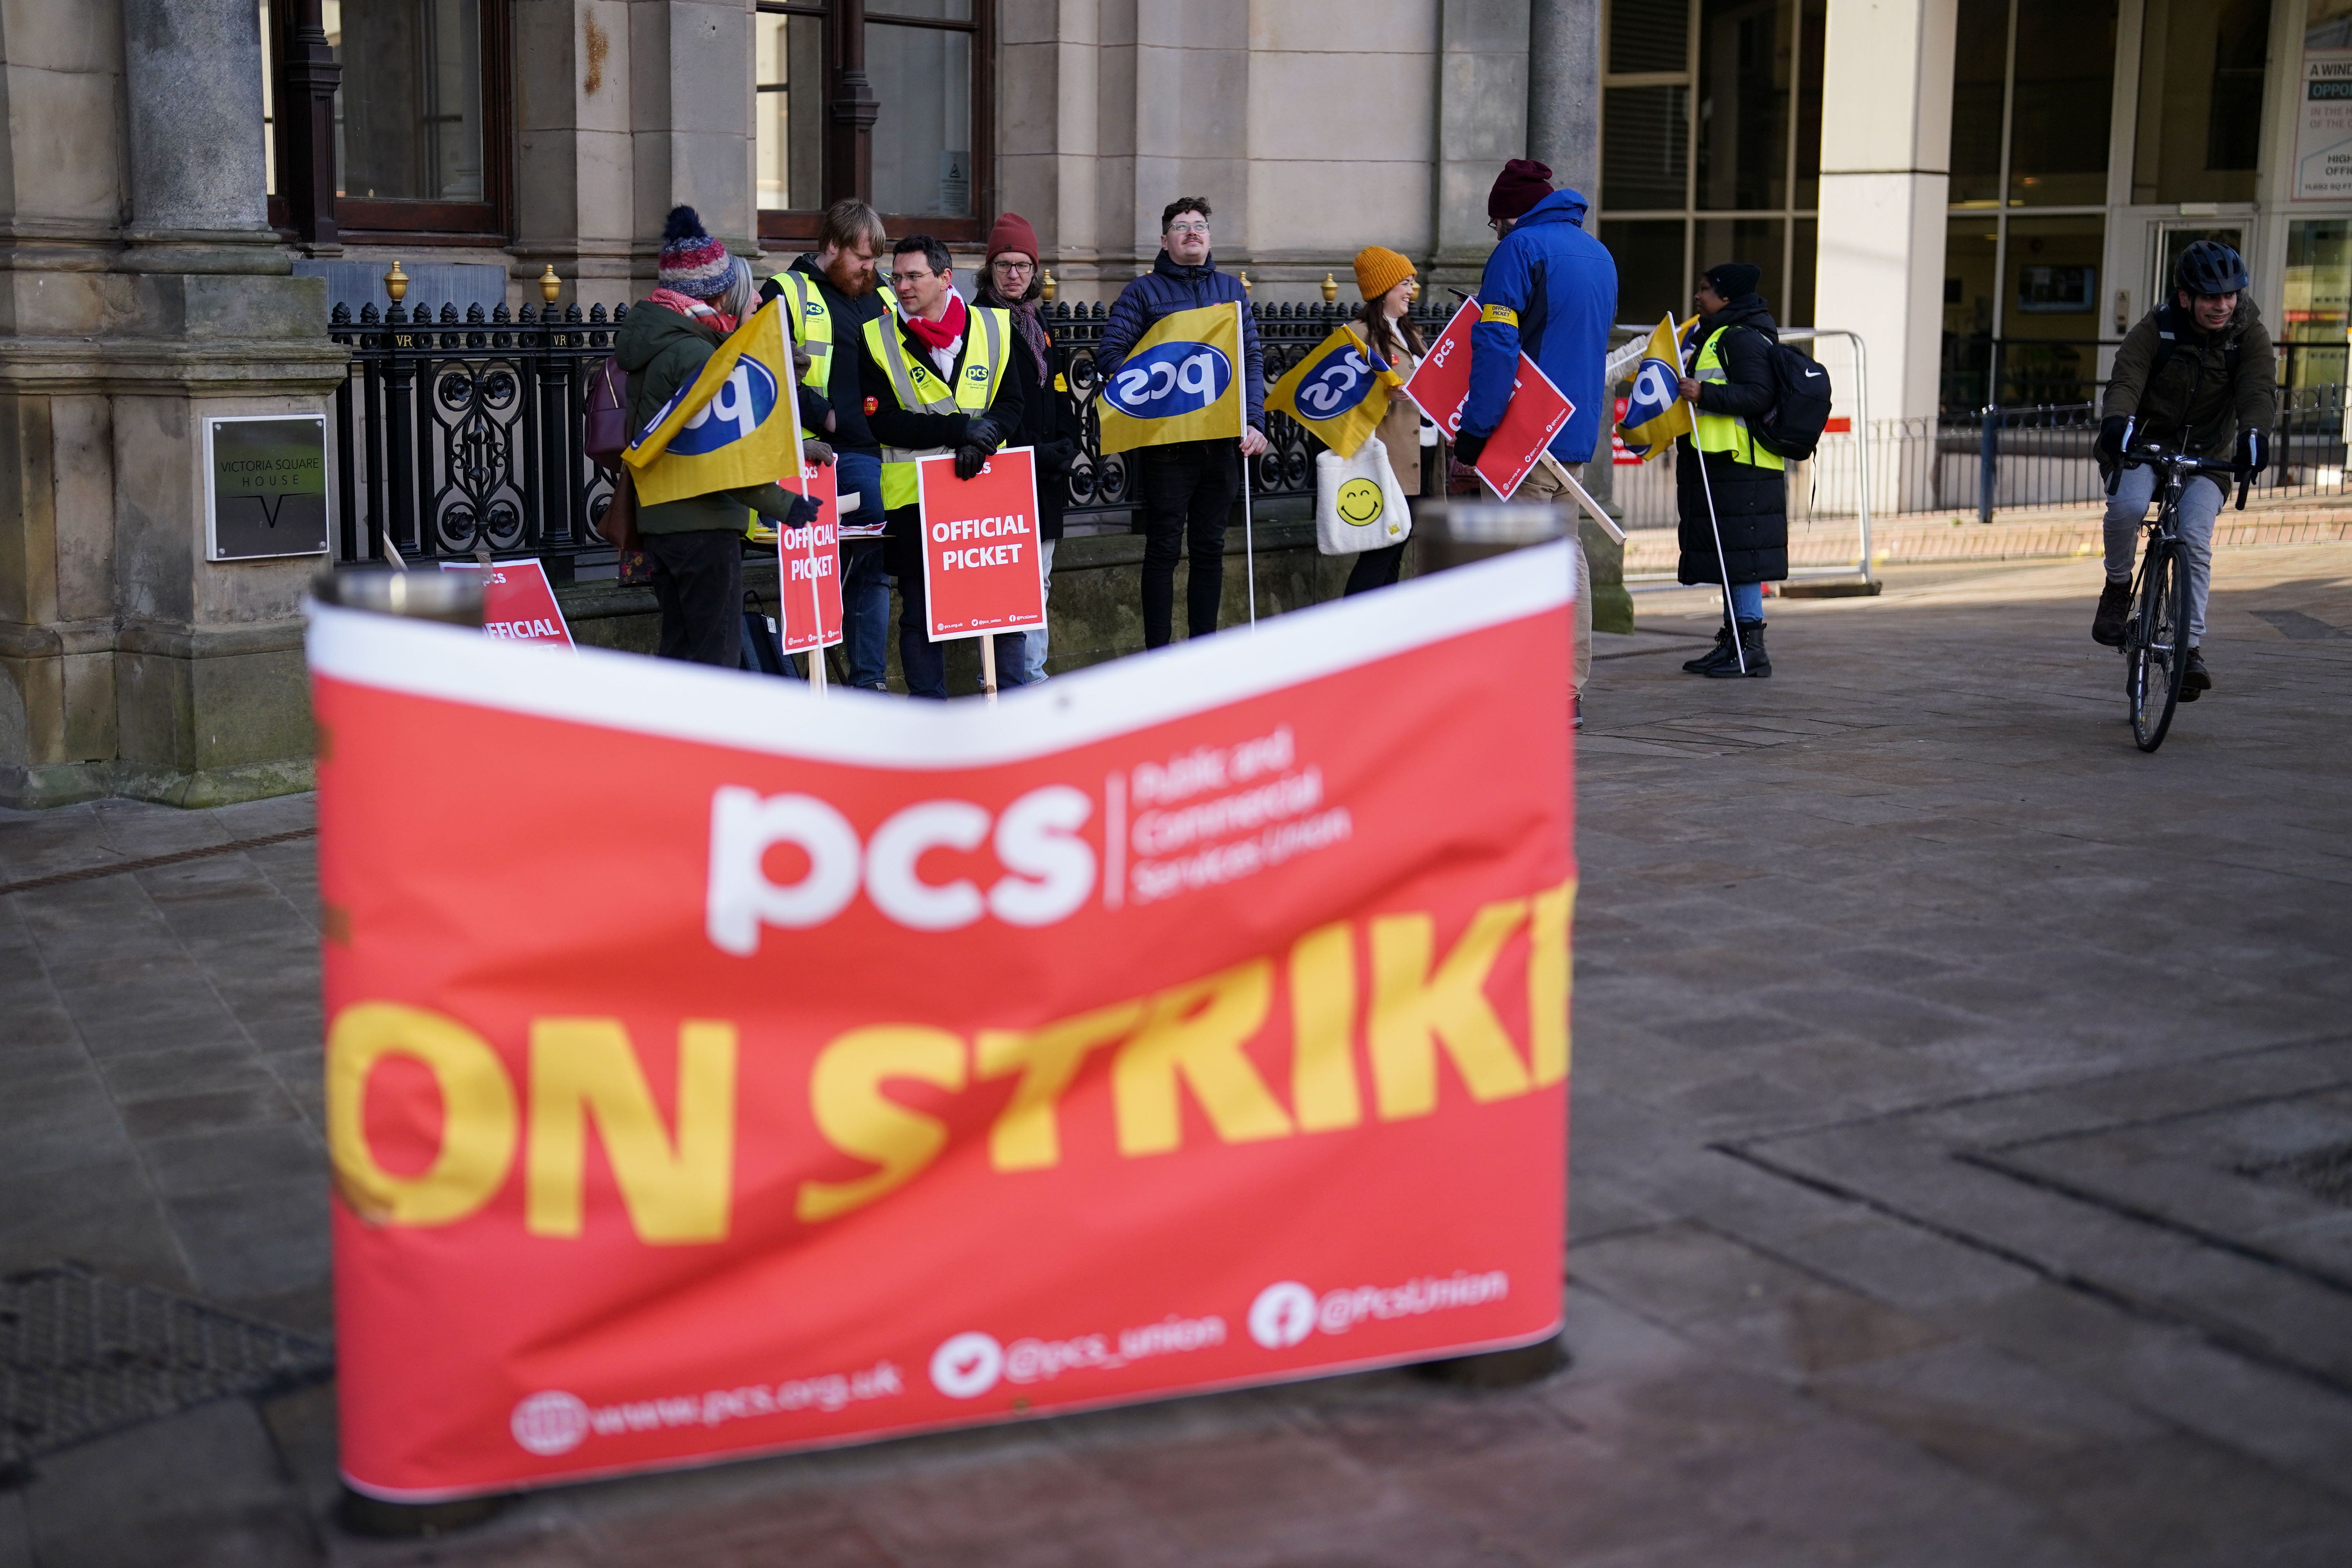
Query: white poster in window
(955, 181)
(2323, 128)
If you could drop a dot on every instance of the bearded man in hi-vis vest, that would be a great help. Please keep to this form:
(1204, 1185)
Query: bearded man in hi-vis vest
(936, 381)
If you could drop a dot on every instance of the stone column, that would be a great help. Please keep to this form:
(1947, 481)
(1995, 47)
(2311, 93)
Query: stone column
(1564, 131)
(1482, 101)
(199, 184)
(574, 206)
(1886, 127)
(690, 106)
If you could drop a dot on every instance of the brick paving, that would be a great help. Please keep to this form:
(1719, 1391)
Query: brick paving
(1962, 1157)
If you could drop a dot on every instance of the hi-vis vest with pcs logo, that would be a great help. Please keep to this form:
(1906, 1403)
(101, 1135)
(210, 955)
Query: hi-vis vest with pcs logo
(1725, 432)
(915, 384)
(812, 327)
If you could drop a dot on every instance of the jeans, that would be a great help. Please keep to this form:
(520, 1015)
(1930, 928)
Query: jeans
(2201, 501)
(1747, 601)
(1032, 668)
(1189, 490)
(925, 662)
(864, 579)
(699, 583)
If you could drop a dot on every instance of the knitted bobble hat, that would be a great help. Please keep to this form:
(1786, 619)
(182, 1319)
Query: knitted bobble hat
(692, 261)
(1380, 269)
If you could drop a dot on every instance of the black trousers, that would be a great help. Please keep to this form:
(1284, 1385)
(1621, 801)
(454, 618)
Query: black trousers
(1189, 490)
(699, 583)
(1376, 568)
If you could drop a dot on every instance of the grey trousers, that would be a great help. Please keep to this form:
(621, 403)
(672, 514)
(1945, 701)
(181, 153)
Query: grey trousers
(2201, 501)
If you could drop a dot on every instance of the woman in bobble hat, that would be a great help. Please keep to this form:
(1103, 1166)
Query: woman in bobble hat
(696, 544)
(1384, 323)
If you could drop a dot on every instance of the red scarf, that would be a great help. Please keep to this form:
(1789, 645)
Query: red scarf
(943, 333)
(694, 310)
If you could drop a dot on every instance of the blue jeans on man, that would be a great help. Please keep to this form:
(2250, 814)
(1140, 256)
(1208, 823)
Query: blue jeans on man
(864, 579)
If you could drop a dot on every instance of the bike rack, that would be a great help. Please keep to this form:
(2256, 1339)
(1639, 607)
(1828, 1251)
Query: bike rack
(1861, 458)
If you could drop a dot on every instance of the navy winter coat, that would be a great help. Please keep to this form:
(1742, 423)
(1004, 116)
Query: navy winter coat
(1555, 288)
(1169, 288)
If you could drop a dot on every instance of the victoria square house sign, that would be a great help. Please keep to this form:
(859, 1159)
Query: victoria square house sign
(264, 486)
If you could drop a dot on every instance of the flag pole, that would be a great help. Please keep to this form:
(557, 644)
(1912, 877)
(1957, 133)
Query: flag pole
(1722, 566)
(1249, 530)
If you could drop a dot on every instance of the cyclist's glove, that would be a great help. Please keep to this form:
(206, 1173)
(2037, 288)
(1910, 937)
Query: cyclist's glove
(2114, 431)
(2253, 452)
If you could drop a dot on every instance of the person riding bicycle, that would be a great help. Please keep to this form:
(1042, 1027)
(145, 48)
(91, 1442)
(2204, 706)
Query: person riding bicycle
(2197, 376)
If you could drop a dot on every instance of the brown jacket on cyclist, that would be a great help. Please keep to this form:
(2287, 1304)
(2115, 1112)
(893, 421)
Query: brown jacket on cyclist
(2230, 397)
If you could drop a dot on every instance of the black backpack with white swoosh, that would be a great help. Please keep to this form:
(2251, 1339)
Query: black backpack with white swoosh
(1793, 427)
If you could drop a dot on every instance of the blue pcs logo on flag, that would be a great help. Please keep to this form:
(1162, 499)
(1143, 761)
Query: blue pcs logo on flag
(733, 425)
(1169, 379)
(1339, 391)
(745, 397)
(1654, 411)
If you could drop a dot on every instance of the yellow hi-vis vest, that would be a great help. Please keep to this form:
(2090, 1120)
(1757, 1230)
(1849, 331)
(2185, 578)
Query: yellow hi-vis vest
(1725, 432)
(812, 327)
(916, 384)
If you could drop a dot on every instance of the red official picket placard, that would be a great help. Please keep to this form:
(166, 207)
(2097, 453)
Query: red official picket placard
(982, 570)
(1440, 386)
(1199, 1023)
(808, 566)
(518, 603)
(1621, 455)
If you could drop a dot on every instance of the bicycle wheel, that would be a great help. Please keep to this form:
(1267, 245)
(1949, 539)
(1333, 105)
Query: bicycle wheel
(2157, 654)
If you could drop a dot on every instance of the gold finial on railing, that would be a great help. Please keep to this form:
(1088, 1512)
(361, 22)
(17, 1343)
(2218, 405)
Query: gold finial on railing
(1245, 282)
(1047, 288)
(1330, 288)
(550, 284)
(396, 283)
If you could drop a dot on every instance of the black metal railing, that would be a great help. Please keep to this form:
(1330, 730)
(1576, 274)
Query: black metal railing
(456, 432)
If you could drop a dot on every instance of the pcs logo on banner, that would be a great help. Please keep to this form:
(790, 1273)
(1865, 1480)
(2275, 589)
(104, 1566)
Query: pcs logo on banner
(1178, 383)
(1168, 380)
(734, 413)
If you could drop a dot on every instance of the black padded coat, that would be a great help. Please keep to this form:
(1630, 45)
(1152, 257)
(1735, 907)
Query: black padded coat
(1751, 503)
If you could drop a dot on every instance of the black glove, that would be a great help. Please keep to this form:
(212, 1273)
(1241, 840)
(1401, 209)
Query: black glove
(803, 512)
(1467, 448)
(970, 460)
(984, 433)
(2113, 432)
(2254, 451)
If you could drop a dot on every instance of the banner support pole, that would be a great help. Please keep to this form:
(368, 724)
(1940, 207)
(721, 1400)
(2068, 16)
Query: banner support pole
(1249, 529)
(988, 666)
(1722, 566)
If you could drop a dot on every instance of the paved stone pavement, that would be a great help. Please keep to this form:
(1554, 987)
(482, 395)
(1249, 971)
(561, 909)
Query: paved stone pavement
(1962, 1170)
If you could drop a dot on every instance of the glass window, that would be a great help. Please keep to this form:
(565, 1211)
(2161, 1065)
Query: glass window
(789, 67)
(2049, 308)
(408, 116)
(2201, 99)
(1979, 67)
(2315, 307)
(2328, 25)
(1809, 102)
(1754, 240)
(922, 140)
(1649, 35)
(1747, 52)
(2059, 118)
(1644, 147)
(1971, 248)
(1652, 279)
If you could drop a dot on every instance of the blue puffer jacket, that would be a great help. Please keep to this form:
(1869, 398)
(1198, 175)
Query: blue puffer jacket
(1549, 288)
(1169, 288)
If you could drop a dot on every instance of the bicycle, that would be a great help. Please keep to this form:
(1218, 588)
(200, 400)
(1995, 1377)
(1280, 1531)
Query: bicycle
(2155, 638)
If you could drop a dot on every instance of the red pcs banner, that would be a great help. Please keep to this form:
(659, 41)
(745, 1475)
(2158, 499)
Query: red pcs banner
(982, 569)
(808, 566)
(518, 603)
(1440, 386)
(1199, 1021)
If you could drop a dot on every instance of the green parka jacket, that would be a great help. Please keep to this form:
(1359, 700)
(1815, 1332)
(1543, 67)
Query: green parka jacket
(2225, 404)
(663, 350)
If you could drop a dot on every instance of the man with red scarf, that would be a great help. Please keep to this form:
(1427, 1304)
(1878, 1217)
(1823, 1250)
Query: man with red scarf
(934, 331)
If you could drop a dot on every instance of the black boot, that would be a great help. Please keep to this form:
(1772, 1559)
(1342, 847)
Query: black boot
(2196, 680)
(1719, 653)
(1751, 648)
(2115, 609)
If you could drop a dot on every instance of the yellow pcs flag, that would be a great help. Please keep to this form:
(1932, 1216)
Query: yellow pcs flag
(730, 427)
(1654, 411)
(1339, 391)
(1182, 381)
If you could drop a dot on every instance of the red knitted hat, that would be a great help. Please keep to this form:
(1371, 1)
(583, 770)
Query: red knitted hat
(1522, 183)
(1013, 233)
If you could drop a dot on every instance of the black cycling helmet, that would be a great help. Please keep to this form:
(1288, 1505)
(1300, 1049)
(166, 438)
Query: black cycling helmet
(2210, 267)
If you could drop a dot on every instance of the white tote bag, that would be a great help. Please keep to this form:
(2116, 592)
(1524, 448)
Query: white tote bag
(1358, 505)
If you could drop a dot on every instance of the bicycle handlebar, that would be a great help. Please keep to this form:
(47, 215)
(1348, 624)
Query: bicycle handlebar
(2189, 467)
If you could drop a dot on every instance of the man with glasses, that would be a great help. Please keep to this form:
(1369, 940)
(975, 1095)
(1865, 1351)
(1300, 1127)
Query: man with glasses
(1188, 488)
(830, 295)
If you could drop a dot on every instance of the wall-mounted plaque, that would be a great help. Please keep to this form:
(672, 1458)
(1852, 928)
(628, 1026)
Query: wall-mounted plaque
(264, 486)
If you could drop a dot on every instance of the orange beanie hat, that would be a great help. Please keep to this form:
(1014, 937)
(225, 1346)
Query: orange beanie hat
(1378, 270)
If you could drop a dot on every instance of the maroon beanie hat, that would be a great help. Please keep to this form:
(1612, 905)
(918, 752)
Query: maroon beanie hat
(1522, 183)
(1012, 233)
